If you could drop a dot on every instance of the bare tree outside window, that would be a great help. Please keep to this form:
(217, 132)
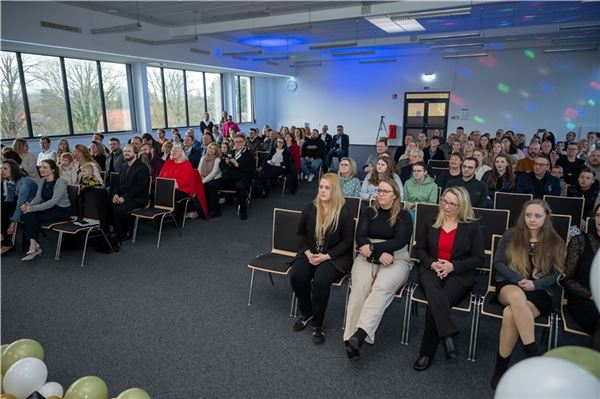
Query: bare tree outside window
(12, 110)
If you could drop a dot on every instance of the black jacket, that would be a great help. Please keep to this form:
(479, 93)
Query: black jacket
(406, 172)
(194, 157)
(314, 148)
(118, 160)
(478, 192)
(345, 142)
(439, 155)
(204, 126)
(133, 186)
(467, 251)
(245, 170)
(327, 141)
(338, 243)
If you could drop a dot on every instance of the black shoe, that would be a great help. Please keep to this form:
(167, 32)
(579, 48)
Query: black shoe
(243, 215)
(301, 323)
(502, 364)
(352, 352)
(450, 347)
(318, 335)
(422, 363)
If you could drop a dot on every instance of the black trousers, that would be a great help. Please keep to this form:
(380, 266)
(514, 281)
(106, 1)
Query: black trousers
(241, 188)
(441, 296)
(211, 191)
(270, 174)
(33, 220)
(584, 311)
(313, 303)
(8, 208)
(120, 216)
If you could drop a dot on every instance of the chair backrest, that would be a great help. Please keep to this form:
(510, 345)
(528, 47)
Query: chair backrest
(113, 181)
(353, 203)
(73, 192)
(261, 158)
(589, 222)
(562, 224)
(103, 176)
(438, 163)
(439, 197)
(164, 194)
(512, 202)
(285, 228)
(492, 222)
(435, 172)
(94, 203)
(572, 206)
(492, 274)
(423, 212)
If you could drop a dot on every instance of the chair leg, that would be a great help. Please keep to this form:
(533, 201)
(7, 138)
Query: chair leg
(475, 332)
(135, 227)
(408, 298)
(292, 304)
(176, 225)
(283, 188)
(346, 305)
(271, 277)
(251, 286)
(107, 241)
(58, 245)
(185, 208)
(87, 236)
(474, 315)
(162, 219)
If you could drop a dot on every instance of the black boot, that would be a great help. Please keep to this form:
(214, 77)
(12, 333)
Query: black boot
(354, 343)
(531, 350)
(502, 364)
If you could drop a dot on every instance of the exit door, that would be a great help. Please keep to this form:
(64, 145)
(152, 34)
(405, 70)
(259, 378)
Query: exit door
(425, 112)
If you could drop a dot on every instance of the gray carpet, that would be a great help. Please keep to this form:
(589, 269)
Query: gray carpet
(175, 321)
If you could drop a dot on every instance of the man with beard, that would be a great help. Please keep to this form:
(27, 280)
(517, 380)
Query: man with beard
(149, 157)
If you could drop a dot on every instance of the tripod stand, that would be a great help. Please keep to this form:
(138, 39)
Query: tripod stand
(382, 127)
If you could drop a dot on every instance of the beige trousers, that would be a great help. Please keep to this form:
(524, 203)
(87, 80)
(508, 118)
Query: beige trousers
(373, 289)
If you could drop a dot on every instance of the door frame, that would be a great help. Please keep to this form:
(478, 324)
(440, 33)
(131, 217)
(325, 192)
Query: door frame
(426, 101)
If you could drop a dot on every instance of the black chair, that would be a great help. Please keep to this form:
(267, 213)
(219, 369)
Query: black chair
(488, 306)
(164, 205)
(570, 325)
(572, 206)
(103, 176)
(113, 182)
(261, 158)
(491, 221)
(435, 172)
(353, 203)
(283, 250)
(91, 223)
(589, 223)
(423, 212)
(439, 163)
(562, 224)
(512, 202)
(73, 191)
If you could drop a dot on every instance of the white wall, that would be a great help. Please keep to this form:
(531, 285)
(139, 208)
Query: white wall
(541, 90)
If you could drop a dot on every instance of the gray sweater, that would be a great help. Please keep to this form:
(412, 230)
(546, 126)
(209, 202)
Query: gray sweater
(60, 197)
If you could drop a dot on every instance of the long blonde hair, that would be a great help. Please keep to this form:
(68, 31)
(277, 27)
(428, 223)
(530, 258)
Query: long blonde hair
(328, 221)
(549, 254)
(396, 205)
(465, 211)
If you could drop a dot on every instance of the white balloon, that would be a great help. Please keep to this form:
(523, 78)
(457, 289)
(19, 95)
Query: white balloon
(25, 377)
(595, 279)
(546, 377)
(51, 389)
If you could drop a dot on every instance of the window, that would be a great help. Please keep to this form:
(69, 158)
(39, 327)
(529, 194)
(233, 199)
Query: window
(50, 96)
(12, 108)
(243, 93)
(179, 98)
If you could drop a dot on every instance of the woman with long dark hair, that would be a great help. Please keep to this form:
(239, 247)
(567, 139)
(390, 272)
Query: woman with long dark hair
(501, 177)
(384, 169)
(528, 262)
(326, 233)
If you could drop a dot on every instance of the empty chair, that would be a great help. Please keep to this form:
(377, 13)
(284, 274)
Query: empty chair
(572, 206)
(561, 224)
(491, 221)
(353, 203)
(512, 202)
(423, 212)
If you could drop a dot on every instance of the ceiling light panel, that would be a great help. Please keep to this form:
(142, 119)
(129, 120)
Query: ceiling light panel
(410, 25)
(385, 24)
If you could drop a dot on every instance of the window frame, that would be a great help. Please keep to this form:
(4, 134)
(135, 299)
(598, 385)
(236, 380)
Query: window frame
(238, 99)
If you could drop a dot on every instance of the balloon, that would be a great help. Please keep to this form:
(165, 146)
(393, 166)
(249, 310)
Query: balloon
(587, 358)
(7, 396)
(546, 377)
(19, 350)
(3, 348)
(25, 377)
(595, 280)
(52, 389)
(89, 387)
(133, 393)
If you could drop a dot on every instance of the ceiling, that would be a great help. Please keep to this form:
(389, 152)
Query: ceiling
(289, 28)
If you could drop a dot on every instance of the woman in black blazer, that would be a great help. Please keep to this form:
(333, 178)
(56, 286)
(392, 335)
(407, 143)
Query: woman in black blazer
(277, 164)
(326, 235)
(449, 247)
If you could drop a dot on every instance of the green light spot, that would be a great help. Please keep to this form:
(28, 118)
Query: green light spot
(503, 87)
(570, 125)
(591, 102)
(478, 119)
(529, 54)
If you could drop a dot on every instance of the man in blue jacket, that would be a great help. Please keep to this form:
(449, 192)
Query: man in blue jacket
(539, 182)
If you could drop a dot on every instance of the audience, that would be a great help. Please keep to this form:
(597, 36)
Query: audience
(166, 150)
(238, 170)
(454, 170)
(571, 164)
(447, 146)
(326, 237)
(557, 172)
(28, 160)
(420, 188)
(478, 192)
(450, 248)
(206, 123)
(340, 145)
(348, 180)
(68, 168)
(87, 177)
(176, 137)
(404, 158)
(162, 136)
(83, 157)
(381, 149)
(295, 150)
(500, 177)
(587, 187)
(46, 152)
(526, 164)
(180, 169)
(278, 163)
(414, 156)
(583, 148)
(230, 128)
(547, 150)
(528, 262)
(137, 142)
(115, 156)
(401, 150)
(539, 182)
(97, 151)
(254, 143)
(313, 153)
(384, 169)
(482, 168)
(192, 154)
(151, 159)
(433, 151)
(327, 139)
(63, 146)
(593, 162)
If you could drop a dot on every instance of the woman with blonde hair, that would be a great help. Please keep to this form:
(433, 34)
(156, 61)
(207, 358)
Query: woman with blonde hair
(381, 267)
(450, 248)
(98, 153)
(528, 262)
(28, 160)
(83, 157)
(326, 233)
(348, 180)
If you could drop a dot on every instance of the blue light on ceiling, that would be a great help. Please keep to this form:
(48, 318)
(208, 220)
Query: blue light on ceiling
(495, 46)
(272, 41)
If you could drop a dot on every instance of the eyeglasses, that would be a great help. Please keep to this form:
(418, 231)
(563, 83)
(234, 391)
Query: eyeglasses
(344, 164)
(449, 204)
(380, 191)
(540, 164)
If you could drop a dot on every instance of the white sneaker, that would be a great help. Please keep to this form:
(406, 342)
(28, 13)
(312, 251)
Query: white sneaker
(33, 255)
(311, 177)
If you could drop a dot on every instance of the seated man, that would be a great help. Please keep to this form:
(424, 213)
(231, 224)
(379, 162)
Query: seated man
(313, 152)
(149, 158)
(131, 192)
(526, 164)
(254, 142)
(340, 145)
(414, 156)
(192, 154)
(539, 182)
(478, 192)
(433, 151)
(381, 149)
(239, 168)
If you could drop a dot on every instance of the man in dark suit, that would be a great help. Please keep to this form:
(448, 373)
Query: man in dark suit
(114, 157)
(239, 169)
(193, 154)
(478, 192)
(340, 145)
(206, 123)
(327, 139)
(131, 192)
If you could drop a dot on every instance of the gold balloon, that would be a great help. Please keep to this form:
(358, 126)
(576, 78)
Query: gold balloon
(20, 350)
(52, 397)
(89, 387)
(7, 396)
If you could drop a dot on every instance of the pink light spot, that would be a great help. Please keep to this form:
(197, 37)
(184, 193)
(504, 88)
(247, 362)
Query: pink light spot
(490, 61)
(457, 100)
(449, 24)
(595, 85)
(571, 113)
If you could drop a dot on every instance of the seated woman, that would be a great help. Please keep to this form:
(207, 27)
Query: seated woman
(68, 168)
(580, 254)
(348, 180)
(587, 187)
(478, 154)
(450, 248)
(278, 163)
(500, 178)
(98, 154)
(528, 261)
(180, 169)
(50, 204)
(83, 157)
(420, 188)
(326, 234)
(381, 268)
(17, 189)
(166, 150)
(209, 163)
(454, 170)
(384, 169)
